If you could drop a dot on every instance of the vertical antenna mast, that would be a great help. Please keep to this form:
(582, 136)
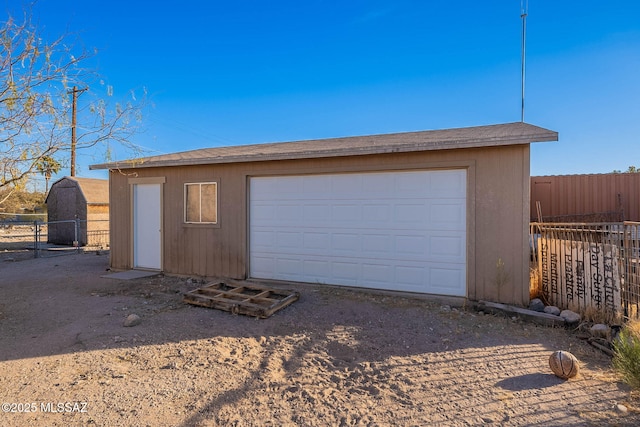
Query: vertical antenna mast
(524, 10)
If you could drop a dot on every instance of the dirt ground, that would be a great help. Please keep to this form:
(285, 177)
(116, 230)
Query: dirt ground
(336, 357)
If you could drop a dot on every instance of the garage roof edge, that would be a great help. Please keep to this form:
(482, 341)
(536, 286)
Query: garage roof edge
(447, 139)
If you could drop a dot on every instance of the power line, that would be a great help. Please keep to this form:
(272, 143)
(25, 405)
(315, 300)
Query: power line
(199, 132)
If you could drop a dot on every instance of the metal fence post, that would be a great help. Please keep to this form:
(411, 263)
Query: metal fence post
(76, 242)
(36, 252)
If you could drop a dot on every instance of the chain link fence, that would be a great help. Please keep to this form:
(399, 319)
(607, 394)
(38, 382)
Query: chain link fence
(53, 238)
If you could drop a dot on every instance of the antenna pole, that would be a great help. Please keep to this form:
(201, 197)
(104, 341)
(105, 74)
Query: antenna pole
(524, 7)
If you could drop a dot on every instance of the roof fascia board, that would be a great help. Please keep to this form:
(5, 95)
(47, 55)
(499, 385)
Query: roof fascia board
(472, 142)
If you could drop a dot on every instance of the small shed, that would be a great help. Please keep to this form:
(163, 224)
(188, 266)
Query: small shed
(441, 212)
(85, 200)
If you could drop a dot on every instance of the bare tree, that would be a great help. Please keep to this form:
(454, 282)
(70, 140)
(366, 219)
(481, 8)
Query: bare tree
(36, 77)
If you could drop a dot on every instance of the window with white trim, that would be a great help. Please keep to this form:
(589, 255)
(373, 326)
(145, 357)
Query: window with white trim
(201, 203)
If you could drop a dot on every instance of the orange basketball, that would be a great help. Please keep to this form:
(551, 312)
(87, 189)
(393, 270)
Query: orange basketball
(564, 364)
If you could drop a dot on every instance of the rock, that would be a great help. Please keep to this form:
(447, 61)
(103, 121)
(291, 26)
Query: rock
(600, 331)
(570, 317)
(621, 408)
(536, 304)
(132, 320)
(171, 365)
(552, 309)
(526, 314)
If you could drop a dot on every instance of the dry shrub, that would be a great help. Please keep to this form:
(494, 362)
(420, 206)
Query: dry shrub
(634, 327)
(626, 359)
(595, 315)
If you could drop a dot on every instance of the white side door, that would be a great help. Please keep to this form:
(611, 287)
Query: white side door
(147, 226)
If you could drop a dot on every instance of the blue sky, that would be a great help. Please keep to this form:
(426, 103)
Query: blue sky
(243, 72)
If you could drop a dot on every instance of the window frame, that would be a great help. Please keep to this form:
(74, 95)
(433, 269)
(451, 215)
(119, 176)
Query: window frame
(216, 185)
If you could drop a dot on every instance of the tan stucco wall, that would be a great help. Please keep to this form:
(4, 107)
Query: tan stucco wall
(497, 213)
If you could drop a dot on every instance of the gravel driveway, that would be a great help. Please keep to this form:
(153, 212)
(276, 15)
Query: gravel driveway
(335, 357)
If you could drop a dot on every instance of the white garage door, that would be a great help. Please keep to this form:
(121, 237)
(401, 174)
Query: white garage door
(390, 230)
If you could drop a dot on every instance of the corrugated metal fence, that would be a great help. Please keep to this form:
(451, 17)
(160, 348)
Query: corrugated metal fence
(589, 268)
(609, 197)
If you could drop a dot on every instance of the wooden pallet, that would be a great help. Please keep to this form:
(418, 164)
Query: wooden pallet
(241, 298)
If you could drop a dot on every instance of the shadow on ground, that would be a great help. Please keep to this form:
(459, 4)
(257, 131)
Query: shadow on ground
(337, 356)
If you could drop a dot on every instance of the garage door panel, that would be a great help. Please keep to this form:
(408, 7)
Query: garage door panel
(263, 189)
(447, 214)
(263, 239)
(345, 185)
(378, 214)
(316, 269)
(411, 187)
(316, 212)
(287, 212)
(414, 213)
(376, 185)
(290, 267)
(263, 212)
(410, 277)
(317, 241)
(388, 230)
(345, 242)
(289, 188)
(346, 212)
(374, 245)
(289, 239)
(448, 184)
(263, 266)
(446, 281)
(411, 245)
(345, 272)
(447, 248)
(317, 185)
(376, 273)
(406, 275)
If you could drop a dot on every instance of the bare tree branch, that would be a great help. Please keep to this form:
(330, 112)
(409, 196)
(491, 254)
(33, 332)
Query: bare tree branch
(35, 106)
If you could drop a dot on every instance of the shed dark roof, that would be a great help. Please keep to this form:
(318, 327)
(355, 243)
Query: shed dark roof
(95, 191)
(446, 139)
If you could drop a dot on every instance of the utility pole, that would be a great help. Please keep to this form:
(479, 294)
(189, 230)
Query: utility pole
(74, 102)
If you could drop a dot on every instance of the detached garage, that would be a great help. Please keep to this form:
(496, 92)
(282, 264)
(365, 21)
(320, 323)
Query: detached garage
(439, 212)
